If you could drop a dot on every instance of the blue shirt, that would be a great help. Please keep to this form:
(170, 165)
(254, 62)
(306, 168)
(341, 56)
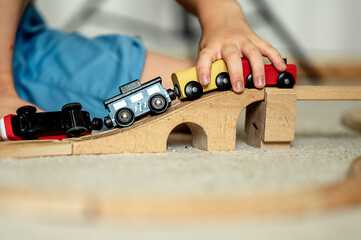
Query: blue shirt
(52, 68)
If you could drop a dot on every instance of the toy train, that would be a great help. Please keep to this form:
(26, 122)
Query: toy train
(136, 100)
(187, 86)
(71, 121)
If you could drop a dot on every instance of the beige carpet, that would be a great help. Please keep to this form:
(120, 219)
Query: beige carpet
(321, 154)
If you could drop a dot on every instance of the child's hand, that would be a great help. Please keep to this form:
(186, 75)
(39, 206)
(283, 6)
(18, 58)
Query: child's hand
(231, 41)
(226, 35)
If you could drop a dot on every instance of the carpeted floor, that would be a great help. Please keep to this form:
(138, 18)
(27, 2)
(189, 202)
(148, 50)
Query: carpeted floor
(321, 154)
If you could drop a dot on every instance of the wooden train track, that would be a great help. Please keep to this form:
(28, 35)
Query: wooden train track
(270, 122)
(56, 206)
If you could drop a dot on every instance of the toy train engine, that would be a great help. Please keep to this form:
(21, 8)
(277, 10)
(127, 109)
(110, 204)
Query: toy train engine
(71, 121)
(187, 86)
(136, 100)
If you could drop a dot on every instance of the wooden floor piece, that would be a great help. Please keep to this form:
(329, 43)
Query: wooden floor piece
(270, 122)
(56, 206)
(34, 148)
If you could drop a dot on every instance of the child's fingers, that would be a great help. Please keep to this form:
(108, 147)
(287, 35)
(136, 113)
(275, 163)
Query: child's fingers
(206, 57)
(232, 57)
(272, 54)
(276, 59)
(254, 56)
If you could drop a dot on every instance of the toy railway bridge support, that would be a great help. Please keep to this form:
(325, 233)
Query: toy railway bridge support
(271, 123)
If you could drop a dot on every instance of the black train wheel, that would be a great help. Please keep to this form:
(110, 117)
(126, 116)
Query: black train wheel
(71, 107)
(285, 80)
(193, 90)
(26, 114)
(76, 124)
(249, 81)
(76, 131)
(223, 81)
(26, 110)
(158, 103)
(124, 117)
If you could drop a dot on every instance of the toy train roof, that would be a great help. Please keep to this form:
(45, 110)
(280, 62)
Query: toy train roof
(130, 88)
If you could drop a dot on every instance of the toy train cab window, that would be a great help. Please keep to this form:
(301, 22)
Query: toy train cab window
(27, 124)
(136, 100)
(187, 86)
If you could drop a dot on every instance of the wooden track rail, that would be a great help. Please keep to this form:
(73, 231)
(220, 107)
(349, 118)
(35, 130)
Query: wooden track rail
(56, 206)
(270, 122)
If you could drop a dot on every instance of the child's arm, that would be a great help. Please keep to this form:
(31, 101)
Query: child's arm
(226, 35)
(10, 14)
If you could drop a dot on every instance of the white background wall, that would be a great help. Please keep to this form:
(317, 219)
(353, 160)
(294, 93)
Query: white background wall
(325, 29)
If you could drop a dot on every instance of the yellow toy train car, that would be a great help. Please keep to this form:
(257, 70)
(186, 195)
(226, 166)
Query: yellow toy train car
(187, 86)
